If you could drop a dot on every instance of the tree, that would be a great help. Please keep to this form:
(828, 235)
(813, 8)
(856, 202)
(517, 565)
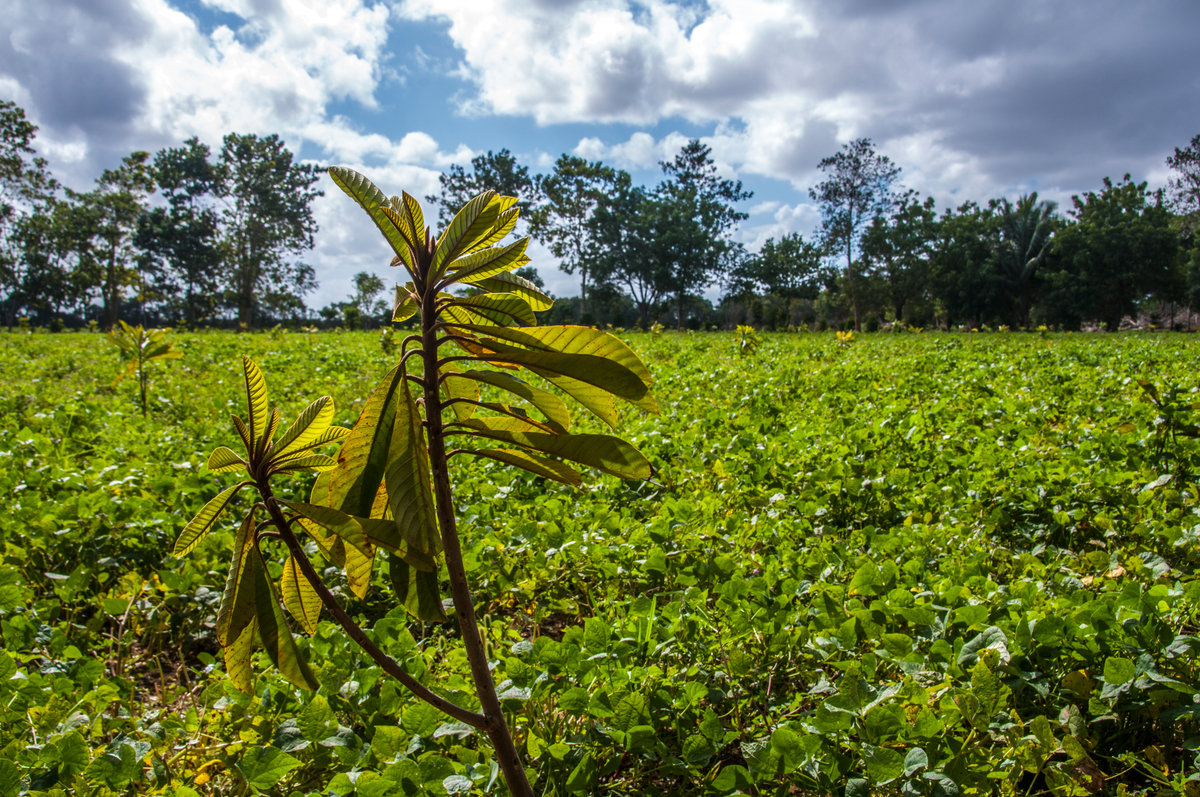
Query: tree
(269, 217)
(695, 216)
(107, 222)
(26, 188)
(493, 171)
(1183, 189)
(858, 187)
(571, 195)
(1120, 250)
(630, 251)
(367, 286)
(181, 242)
(897, 248)
(963, 265)
(788, 268)
(54, 254)
(1026, 235)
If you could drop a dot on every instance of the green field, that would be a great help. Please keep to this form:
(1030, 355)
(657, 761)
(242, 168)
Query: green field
(919, 564)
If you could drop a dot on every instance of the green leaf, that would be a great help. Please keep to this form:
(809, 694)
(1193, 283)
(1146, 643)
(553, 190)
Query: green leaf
(603, 452)
(584, 777)
(458, 389)
(363, 458)
(596, 371)
(484, 263)
(506, 221)
(410, 495)
(405, 306)
(223, 460)
(10, 778)
(505, 309)
(200, 525)
(511, 283)
(347, 527)
(237, 658)
(256, 400)
(471, 224)
(1118, 670)
(313, 463)
(373, 201)
(263, 767)
(273, 630)
(883, 764)
(539, 466)
(243, 541)
(308, 426)
(416, 590)
(299, 596)
(546, 402)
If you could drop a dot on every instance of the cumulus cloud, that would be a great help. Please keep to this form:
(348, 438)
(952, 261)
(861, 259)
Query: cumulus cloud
(976, 100)
(104, 77)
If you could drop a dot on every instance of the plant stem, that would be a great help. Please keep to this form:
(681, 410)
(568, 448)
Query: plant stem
(352, 629)
(506, 751)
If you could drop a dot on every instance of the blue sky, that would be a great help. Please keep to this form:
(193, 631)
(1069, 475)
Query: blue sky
(993, 98)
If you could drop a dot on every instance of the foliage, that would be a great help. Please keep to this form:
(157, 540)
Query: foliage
(788, 268)
(747, 341)
(139, 347)
(838, 586)
(491, 171)
(897, 249)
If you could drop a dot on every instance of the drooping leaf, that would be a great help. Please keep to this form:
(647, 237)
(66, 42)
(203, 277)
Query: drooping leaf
(410, 495)
(466, 389)
(511, 283)
(299, 596)
(308, 426)
(596, 371)
(596, 400)
(312, 463)
(200, 525)
(273, 630)
(256, 400)
(416, 590)
(363, 457)
(223, 460)
(242, 542)
(540, 466)
(237, 658)
(405, 306)
(343, 525)
(520, 414)
(549, 404)
(603, 452)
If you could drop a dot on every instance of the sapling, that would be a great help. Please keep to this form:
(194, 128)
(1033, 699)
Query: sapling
(139, 347)
(389, 487)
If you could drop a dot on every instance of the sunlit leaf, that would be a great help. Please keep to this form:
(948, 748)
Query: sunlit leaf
(273, 631)
(540, 466)
(256, 399)
(243, 541)
(313, 463)
(308, 426)
(486, 263)
(511, 283)
(472, 223)
(200, 525)
(410, 495)
(547, 403)
(363, 457)
(223, 460)
(237, 658)
(505, 309)
(603, 452)
(299, 596)
(372, 200)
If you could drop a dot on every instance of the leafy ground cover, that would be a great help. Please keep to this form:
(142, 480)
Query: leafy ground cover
(918, 564)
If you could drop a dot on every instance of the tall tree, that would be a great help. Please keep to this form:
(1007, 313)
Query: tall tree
(571, 194)
(962, 264)
(897, 248)
(857, 187)
(367, 287)
(268, 218)
(1026, 234)
(26, 189)
(630, 251)
(1183, 188)
(107, 219)
(1121, 249)
(494, 171)
(788, 268)
(180, 242)
(696, 214)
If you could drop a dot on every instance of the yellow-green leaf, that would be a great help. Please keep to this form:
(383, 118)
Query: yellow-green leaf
(459, 389)
(237, 659)
(484, 263)
(313, 463)
(372, 200)
(405, 306)
(505, 309)
(506, 221)
(223, 460)
(345, 526)
(547, 403)
(363, 457)
(273, 630)
(416, 590)
(256, 399)
(511, 283)
(308, 426)
(410, 496)
(470, 225)
(240, 427)
(596, 371)
(243, 541)
(299, 596)
(603, 452)
(540, 466)
(198, 526)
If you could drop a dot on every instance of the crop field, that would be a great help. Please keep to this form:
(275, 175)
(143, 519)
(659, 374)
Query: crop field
(914, 564)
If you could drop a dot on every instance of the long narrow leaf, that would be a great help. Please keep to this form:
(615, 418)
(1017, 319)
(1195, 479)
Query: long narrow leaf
(486, 263)
(237, 658)
(223, 460)
(256, 400)
(363, 458)
(506, 221)
(603, 452)
(549, 404)
(540, 466)
(299, 596)
(416, 590)
(410, 496)
(242, 542)
(200, 525)
(308, 426)
(273, 630)
(504, 309)
(511, 283)
(372, 200)
(472, 223)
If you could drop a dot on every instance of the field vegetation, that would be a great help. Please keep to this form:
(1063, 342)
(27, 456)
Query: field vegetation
(896, 564)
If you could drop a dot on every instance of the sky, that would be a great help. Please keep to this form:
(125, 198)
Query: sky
(972, 100)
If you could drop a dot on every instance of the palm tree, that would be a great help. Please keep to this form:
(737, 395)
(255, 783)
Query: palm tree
(1026, 231)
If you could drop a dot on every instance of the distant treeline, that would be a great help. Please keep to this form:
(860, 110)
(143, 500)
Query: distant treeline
(225, 241)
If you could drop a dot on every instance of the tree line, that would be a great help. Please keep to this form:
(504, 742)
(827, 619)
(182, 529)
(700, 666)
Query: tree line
(883, 253)
(225, 242)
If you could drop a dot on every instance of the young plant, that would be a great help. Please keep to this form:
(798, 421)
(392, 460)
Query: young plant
(139, 347)
(747, 341)
(390, 486)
